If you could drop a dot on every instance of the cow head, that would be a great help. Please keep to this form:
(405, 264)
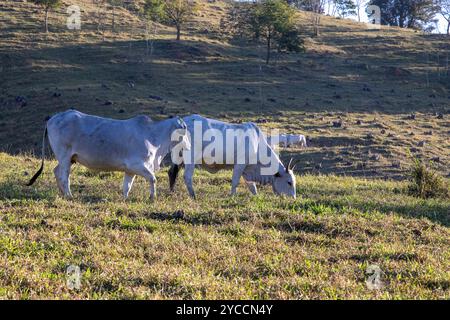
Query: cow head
(284, 182)
(180, 141)
(184, 133)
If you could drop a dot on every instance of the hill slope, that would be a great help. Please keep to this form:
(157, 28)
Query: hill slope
(375, 78)
(318, 246)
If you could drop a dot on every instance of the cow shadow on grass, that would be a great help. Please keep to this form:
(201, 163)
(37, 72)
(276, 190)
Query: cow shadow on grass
(14, 190)
(17, 190)
(179, 216)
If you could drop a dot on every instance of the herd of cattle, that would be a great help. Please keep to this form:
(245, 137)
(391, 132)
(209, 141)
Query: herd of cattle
(137, 147)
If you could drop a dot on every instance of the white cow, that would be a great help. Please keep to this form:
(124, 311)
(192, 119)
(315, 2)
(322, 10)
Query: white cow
(135, 146)
(296, 140)
(282, 180)
(288, 140)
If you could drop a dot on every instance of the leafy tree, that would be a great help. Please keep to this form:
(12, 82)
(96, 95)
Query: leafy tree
(47, 5)
(172, 12)
(416, 14)
(345, 8)
(273, 20)
(154, 9)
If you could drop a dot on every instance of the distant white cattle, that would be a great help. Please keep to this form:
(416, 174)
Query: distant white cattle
(288, 140)
(282, 179)
(135, 146)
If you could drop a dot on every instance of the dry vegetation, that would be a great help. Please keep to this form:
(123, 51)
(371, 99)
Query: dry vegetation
(366, 99)
(318, 246)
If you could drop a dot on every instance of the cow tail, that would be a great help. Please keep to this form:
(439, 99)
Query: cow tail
(33, 180)
(173, 174)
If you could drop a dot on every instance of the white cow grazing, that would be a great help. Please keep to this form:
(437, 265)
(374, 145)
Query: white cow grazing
(135, 146)
(283, 180)
(288, 140)
(296, 140)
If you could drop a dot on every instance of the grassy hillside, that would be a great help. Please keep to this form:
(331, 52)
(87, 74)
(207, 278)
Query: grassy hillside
(371, 80)
(385, 86)
(318, 246)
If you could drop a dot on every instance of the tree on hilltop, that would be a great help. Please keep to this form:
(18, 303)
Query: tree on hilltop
(47, 5)
(273, 21)
(171, 12)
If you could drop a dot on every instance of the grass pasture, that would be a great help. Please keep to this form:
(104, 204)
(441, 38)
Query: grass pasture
(387, 89)
(318, 246)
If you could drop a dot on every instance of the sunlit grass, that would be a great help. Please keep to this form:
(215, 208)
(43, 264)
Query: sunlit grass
(244, 247)
(318, 246)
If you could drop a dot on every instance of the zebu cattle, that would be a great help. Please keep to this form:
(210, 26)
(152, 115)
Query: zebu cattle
(296, 140)
(282, 179)
(288, 140)
(135, 146)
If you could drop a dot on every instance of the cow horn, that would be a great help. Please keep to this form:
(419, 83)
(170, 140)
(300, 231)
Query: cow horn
(295, 165)
(289, 165)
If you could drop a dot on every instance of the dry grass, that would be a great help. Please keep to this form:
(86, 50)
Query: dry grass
(218, 247)
(245, 247)
(349, 74)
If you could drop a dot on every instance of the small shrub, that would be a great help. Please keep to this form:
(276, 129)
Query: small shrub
(426, 182)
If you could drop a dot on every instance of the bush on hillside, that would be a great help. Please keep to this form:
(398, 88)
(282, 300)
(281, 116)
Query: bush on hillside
(426, 182)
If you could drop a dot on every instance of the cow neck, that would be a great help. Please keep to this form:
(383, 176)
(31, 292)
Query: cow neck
(161, 130)
(256, 176)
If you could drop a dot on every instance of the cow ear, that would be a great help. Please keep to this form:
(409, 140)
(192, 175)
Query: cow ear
(186, 142)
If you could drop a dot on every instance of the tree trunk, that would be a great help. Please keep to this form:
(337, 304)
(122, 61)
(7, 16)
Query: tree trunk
(98, 18)
(113, 20)
(269, 45)
(316, 24)
(46, 20)
(178, 32)
(146, 38)
(448, 28)
(358, 7)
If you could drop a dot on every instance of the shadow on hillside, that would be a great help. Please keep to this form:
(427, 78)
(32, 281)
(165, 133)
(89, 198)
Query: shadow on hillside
(337, 141)
(119, 79)
(195, 66)
(435, 212)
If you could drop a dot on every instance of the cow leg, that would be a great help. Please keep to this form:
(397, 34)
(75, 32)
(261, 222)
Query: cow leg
(58, 179)
(188, 177)
(152, 181)
(148, 174)
(127, 184)
(62, 170)
(237, 173)
(252, 187)
(64, 177)
(151, 178)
